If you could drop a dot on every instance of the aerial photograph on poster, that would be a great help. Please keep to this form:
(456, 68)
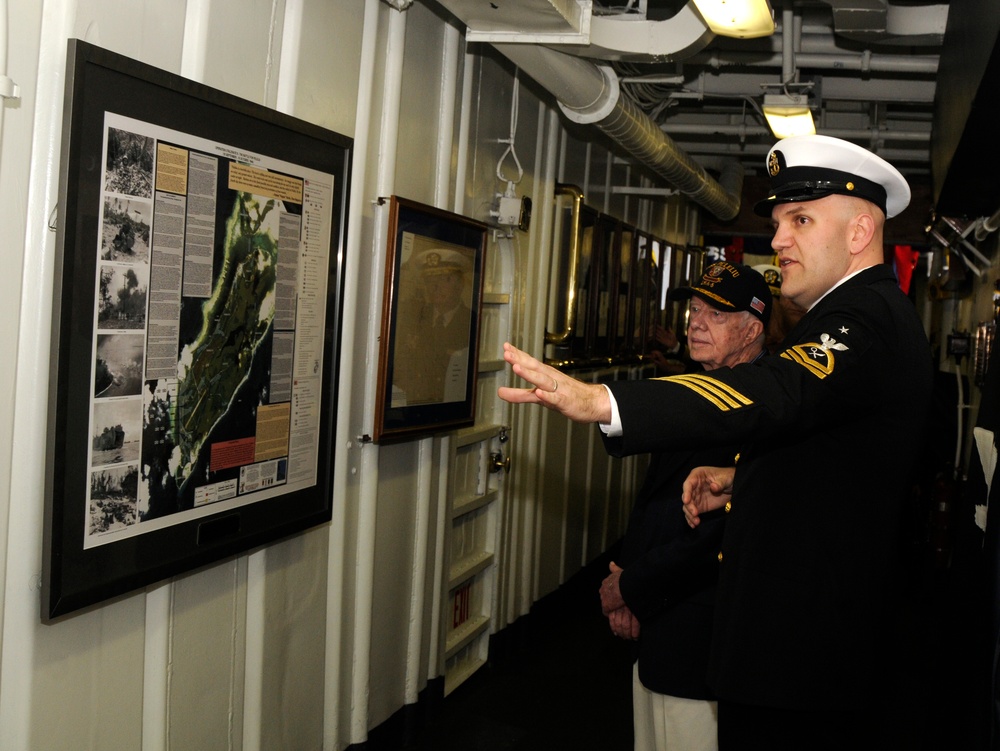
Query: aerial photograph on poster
(204, 315)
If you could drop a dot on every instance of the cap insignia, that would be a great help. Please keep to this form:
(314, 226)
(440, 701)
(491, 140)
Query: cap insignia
(432, 260)
(850, 186)
(773, 163)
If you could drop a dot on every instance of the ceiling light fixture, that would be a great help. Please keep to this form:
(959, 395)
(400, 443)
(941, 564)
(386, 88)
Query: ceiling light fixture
(743, 19)
(788, 115)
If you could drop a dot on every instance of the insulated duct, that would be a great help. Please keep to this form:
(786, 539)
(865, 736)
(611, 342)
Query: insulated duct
(589, 94)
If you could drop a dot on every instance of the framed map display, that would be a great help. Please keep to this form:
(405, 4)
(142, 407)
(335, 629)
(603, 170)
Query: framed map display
(196, 328)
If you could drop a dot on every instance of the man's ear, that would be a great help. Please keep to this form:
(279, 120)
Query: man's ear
(755, 329)
(862, 232)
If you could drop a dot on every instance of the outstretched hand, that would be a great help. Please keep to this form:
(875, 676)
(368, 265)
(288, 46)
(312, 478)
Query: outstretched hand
(579, 401)
(705, 489)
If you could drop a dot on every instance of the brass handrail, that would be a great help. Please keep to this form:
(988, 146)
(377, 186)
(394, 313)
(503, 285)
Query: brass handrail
(560, 337)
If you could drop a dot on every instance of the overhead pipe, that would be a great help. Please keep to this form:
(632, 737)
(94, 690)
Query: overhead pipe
(589, 94)
(800, 46)
(873, 89)
(987, 225)
(961, 234)
(788, 47)
(868, 62)
(723, 151)
(809, 38)
(741, 130)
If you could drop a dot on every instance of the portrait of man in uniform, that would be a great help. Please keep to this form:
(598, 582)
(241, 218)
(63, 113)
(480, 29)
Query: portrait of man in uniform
(434, 327)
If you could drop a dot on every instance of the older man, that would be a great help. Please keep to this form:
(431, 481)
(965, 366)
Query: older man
(828, 430)
(663, 592)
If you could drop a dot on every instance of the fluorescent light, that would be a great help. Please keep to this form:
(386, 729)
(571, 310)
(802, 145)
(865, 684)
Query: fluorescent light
(744, 19)
(788, 115)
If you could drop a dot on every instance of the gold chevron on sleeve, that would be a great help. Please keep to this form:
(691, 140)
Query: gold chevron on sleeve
(815, 359)
(722, 395)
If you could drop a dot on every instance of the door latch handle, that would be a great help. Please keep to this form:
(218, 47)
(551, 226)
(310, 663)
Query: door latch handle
(498, 463)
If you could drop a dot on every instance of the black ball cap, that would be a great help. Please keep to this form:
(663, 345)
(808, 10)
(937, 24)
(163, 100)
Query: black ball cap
(731, 287)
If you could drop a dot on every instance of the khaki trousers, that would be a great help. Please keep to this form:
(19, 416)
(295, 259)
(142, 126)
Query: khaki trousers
(669, 723)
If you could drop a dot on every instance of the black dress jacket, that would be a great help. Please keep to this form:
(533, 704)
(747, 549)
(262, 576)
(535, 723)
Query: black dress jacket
(669, 576)
(828, 430)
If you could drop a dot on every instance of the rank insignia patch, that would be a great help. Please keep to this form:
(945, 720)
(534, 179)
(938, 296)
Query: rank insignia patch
(722, 395)
(816, 357)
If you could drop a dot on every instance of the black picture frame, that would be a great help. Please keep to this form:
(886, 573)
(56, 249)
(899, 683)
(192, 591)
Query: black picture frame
(427, 376)
(231, 218)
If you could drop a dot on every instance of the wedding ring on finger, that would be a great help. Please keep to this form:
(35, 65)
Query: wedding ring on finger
(555, 385)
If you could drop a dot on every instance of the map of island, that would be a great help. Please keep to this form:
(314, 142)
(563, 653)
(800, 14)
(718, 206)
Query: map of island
(236, 320)
(207, 386)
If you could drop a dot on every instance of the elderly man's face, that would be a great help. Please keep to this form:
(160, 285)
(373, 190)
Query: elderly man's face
(811, 239)
(717, 338)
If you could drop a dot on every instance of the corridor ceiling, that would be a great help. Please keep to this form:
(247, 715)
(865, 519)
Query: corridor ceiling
(872, 71)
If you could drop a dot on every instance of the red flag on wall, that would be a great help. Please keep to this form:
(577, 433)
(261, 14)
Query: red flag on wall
(905, 261)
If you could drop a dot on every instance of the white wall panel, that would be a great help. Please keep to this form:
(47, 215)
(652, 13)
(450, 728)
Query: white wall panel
(87, 687)
(397, 497)
(206, 658)
(554, 500)
(420, 106)
(17, 125)
(294, 642)
(150, 31)
(241, 51)
(328, 62)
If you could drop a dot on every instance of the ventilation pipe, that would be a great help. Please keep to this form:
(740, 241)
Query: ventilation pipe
(589, 94)
(8, 89)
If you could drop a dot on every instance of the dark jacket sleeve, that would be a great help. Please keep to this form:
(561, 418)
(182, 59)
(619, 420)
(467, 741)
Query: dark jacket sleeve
(674, 571)
(819, 379)
(664, 560)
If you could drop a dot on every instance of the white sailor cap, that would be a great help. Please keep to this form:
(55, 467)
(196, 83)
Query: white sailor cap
(442, 261)
(804, 168)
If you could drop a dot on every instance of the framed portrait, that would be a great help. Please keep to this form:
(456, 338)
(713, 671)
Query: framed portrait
(428, 352)
(196, 329)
